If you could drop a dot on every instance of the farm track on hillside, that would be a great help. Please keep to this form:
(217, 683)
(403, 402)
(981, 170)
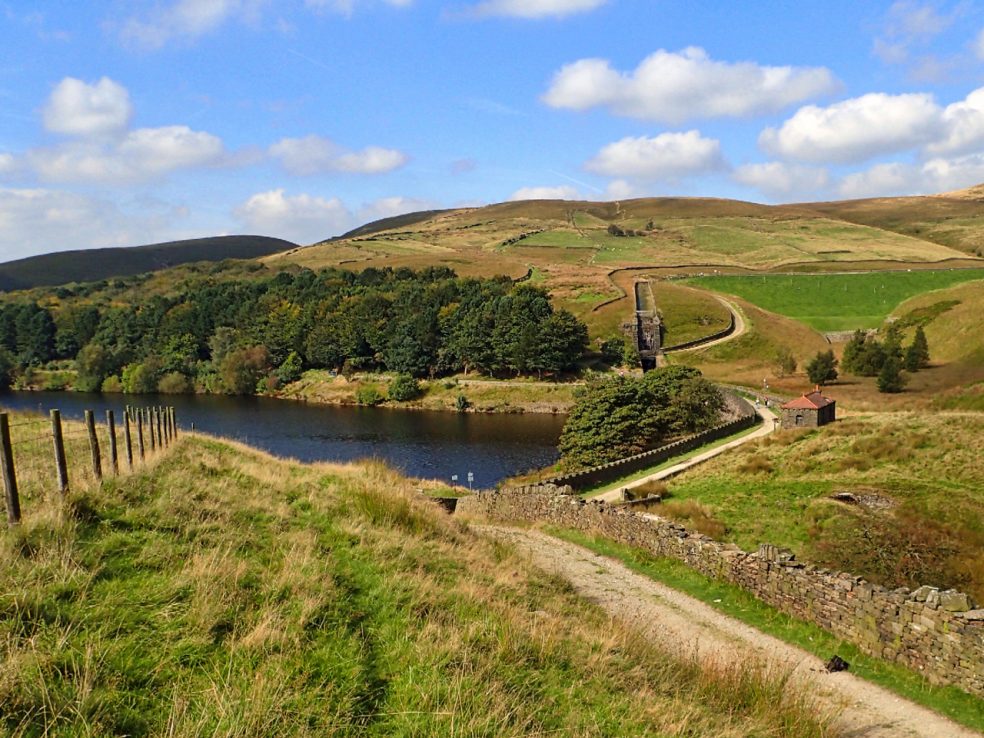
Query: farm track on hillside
(684, 624)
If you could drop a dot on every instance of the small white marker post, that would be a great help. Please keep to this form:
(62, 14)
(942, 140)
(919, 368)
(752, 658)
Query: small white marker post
(471, 478)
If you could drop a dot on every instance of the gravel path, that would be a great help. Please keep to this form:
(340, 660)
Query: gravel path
(681, 623)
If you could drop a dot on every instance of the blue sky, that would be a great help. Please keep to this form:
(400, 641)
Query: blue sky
(124, 123)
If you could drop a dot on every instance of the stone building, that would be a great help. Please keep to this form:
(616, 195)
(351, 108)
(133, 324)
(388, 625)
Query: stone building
(809, 411)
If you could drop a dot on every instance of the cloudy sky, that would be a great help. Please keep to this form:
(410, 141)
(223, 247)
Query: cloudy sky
(125, 122)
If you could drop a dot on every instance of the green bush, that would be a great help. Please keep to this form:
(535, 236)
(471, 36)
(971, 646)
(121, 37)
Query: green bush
(368, 395)
(111, 383)
(174, 383)
(403, 388)
(461, 403)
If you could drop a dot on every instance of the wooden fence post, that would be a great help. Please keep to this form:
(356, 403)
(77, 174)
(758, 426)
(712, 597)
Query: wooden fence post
(9, 477)
(140, 433)
(150, 429)
(174, 421)
(160, 436)
(111, 432)
(90, 425)
(58, 441)
(127, 439)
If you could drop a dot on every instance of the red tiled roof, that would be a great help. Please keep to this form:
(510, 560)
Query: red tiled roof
(811, 401)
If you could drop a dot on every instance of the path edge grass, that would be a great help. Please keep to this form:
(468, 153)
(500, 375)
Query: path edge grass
(735, 602)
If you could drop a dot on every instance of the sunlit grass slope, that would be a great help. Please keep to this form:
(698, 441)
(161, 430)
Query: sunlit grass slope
(921, 473)
(224, 592)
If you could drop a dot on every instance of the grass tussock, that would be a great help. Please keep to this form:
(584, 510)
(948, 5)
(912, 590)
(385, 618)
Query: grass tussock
(755, 464)
(652, 488)
(223, 592)
(695, 516)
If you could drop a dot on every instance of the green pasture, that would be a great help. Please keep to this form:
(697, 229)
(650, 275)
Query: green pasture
(836, 302)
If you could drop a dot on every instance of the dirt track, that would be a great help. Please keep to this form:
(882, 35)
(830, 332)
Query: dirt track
(681, 623)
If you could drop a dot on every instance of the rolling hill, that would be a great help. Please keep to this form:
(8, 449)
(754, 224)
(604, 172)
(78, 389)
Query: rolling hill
(586, 253)
(90, 265)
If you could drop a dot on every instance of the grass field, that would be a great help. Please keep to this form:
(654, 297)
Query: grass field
(922, 472)
(835, 302)
(225, 592)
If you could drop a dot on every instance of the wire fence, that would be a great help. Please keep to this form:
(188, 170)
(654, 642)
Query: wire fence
(41, 457)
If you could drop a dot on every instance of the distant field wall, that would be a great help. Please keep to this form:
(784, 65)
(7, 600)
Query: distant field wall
(937, 634)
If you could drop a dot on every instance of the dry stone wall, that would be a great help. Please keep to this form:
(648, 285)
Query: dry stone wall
(939, 634)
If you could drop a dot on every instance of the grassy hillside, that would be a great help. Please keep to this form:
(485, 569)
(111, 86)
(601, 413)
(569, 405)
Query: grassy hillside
(223, 592)
(918, 480)
(579, 249)
(91, 265)
(954, 220)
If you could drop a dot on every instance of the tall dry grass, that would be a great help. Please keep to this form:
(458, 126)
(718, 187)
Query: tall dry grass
(222, 592)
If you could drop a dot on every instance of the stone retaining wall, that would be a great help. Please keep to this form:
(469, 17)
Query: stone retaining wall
(938, 634)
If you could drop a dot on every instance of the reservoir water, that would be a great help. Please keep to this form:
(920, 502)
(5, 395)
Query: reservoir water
(433, 445)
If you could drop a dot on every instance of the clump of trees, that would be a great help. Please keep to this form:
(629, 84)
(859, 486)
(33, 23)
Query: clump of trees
(885, 359)
(822, 368)
(616, 417)
(243, 334)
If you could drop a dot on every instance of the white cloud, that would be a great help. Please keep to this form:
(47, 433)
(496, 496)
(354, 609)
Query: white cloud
(620, 189)
(536, 8)
(82, 109)
(301, 218)
(899, 178)
(856, 129)
(954, 174)
(387, 207)
(964, 126)
(667, 156)
(780, 180)
(34, 221)
(7, 163)
(561, 192)
(143, 154)
(882, 180)
(347, 7)
(184, 19)
(675, 87)
(315, 155)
